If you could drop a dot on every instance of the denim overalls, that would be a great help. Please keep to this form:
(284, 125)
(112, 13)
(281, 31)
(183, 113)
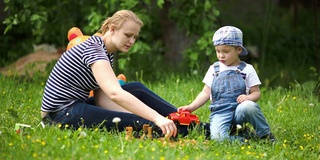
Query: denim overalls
(225, 111)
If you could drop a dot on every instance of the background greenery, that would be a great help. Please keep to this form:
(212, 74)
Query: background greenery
(177, 35)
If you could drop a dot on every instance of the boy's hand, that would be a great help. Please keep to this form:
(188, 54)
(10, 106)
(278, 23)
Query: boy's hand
(184, 108)
(243, 98)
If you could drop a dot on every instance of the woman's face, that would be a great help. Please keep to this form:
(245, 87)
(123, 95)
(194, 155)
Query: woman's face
(125, 37)
(228, 55)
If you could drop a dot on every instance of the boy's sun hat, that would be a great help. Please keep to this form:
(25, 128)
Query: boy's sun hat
(229, 35)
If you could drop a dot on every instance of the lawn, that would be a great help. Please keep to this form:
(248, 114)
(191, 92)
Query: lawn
(293, 114)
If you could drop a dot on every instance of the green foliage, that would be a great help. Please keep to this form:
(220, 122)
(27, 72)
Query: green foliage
(39, 22)
(287, 42)
(199, 21)
(49, 22)
(291, 112)
(295, 47)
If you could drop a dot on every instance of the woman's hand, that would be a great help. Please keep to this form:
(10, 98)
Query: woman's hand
(167, 126)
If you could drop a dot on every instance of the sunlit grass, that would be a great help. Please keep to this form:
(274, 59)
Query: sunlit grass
(293, 114)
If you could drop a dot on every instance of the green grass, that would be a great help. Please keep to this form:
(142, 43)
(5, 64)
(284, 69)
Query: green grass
(292, 113)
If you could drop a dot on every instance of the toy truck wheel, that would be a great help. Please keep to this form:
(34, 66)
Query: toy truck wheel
(192, 124)
(176, 122)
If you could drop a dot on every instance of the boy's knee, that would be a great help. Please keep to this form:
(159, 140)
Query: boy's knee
(219, 136)
(219, 133)
(247, 107)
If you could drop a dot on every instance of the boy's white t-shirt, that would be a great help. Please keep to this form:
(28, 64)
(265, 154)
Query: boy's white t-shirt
(251, 79)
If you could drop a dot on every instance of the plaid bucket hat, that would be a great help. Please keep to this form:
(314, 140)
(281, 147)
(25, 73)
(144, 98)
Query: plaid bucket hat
(229, 35)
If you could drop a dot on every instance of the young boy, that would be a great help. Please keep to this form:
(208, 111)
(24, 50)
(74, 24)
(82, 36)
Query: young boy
(233, 88)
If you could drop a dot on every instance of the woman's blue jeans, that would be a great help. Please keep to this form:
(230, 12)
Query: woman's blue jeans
(86, 114)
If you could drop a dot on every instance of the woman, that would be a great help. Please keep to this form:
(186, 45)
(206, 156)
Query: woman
(88, 66)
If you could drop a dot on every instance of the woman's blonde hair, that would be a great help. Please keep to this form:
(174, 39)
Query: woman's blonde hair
(118, 19)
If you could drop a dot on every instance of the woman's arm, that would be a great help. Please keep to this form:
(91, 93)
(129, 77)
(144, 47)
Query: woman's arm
(102, 100)
(109, 84)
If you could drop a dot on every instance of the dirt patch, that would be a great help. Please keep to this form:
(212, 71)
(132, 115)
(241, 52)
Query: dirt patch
(33, 62)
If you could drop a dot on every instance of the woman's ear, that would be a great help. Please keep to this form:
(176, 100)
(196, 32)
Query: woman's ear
(112, 28)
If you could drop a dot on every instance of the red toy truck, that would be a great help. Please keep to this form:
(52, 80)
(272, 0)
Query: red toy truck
(184, 117)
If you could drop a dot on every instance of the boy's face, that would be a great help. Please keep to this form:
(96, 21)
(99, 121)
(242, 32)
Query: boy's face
(228, 55)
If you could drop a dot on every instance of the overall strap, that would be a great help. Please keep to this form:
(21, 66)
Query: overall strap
(242, 65)
(216, 68)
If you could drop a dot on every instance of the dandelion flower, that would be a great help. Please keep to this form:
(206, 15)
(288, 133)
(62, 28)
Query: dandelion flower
(116, 120)
(239, 126)
(34, 155)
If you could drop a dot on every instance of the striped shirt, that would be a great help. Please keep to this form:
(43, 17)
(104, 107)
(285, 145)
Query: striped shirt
(71, 78)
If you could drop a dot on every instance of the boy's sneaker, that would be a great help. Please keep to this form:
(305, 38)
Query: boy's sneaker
(245, 132)
(270, 137)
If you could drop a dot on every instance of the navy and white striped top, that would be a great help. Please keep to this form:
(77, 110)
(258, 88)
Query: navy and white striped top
(71, 78)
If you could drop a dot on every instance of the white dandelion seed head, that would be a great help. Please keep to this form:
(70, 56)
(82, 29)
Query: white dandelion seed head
(116, 120)
(311, 105)
(239, 126)
(195, 72)
(83, 134)
(102, 139)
